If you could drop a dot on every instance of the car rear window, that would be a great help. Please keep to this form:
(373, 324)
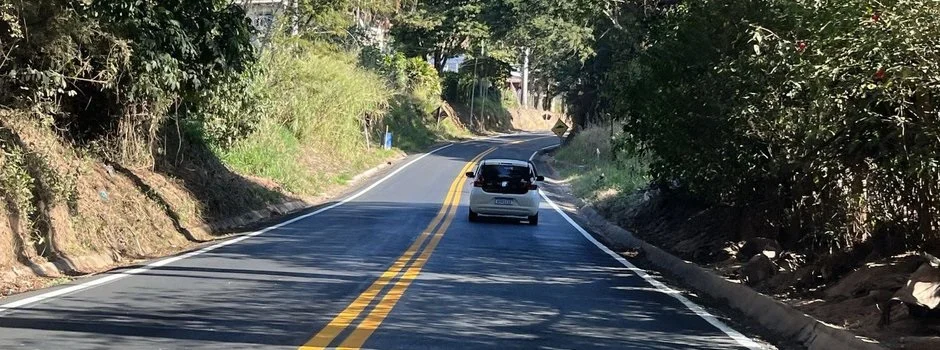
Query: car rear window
(505, 172)
(505, 178)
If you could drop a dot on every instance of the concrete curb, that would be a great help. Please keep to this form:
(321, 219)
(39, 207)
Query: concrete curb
(90, 264)
(773, 315)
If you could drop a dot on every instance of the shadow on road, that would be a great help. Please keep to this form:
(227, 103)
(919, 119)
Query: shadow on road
(495, 284)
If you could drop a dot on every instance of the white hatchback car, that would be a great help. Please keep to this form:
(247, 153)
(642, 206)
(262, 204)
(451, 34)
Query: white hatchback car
(505, 187)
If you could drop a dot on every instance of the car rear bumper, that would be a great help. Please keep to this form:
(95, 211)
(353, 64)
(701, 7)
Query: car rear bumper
(504, 210)
(523, 205)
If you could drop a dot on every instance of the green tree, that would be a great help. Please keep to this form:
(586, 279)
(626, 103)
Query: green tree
(818, 116)
(113, 69)
(559, 37)
(341, 19)
(440, 29)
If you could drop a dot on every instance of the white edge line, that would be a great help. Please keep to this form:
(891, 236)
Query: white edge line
(111, 278)
(532, 157)
(698, 310)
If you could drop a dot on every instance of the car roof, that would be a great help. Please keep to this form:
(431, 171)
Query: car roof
(514, 162)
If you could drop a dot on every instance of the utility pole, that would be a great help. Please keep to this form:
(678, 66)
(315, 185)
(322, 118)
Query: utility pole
(473, 89)
(525, 77)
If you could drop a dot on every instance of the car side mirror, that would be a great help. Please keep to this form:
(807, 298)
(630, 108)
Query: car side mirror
(470, 174)
(539, 178)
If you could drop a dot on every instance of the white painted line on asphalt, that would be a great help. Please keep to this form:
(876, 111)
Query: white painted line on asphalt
(111, 278)
(698, 310)
(163, 262)
(532, 157)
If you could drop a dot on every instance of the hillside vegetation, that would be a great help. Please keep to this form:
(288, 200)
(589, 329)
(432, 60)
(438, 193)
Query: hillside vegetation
(125, 125)
(818, 120)
(591, 162)
(809, 126)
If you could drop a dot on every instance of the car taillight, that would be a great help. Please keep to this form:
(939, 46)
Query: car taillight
(533, 187)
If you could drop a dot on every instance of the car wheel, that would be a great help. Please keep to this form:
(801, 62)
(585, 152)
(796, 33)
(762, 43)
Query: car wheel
(473, 216)
(534, 220)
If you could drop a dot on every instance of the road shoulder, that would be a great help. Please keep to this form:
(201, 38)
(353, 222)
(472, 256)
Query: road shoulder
(756, 314)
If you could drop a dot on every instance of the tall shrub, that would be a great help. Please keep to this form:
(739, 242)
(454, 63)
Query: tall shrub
(820, 114)
(111, 71)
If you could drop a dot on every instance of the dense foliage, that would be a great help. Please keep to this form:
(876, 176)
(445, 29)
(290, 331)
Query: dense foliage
(821, 115)
(409, 75)
(440, 29)
(111, 71)
(137, 81)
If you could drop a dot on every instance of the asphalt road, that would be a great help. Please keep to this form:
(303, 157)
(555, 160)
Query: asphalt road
(396, 267)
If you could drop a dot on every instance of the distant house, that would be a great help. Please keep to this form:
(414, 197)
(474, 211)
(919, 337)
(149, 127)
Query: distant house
(263, 13)
(453, 64)
(515, 83)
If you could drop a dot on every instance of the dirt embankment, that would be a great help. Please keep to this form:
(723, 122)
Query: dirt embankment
(497, 118)
(536, 120)
(69, 212)
(846, 289)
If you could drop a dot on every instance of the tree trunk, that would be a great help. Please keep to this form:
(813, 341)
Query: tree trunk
(546, 88)
(525, 78)
(365, 132)
(439, 62)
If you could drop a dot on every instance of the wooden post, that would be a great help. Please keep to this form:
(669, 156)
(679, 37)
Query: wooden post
(365, 131)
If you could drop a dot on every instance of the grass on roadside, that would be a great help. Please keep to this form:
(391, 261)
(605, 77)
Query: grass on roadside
(588, 163)
(271, 153)
(311, 136)
(302, 168)
(452, 130)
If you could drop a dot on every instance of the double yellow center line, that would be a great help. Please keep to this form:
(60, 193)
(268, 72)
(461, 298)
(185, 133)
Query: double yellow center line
(411, 266)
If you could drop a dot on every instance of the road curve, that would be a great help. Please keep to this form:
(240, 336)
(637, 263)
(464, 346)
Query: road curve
(396, 266)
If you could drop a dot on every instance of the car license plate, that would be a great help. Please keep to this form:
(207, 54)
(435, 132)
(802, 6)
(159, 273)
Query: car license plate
(503, 201)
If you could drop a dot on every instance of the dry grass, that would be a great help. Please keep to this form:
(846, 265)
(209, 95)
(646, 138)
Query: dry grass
(589, 163)
(97, 211)
(535, 120)
(7, 250)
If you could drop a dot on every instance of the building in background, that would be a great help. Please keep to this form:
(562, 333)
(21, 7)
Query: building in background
(263, 13)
